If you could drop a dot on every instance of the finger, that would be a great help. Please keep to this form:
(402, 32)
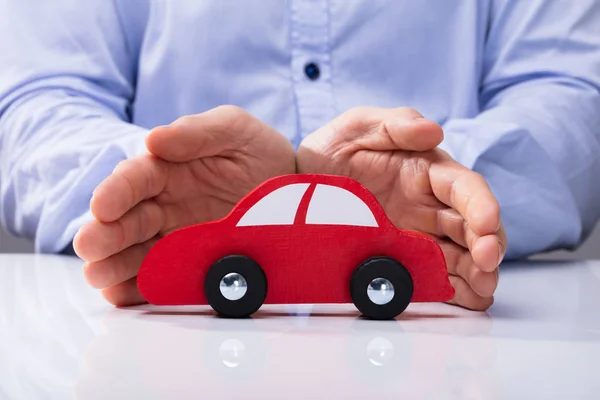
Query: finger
(132, 181)
(416, 135)
(124, 294)
(211, 133)
(468, 193)
(377, 129)
(443, 222)
(488, 251)
(451, 224)
(465, 296)
(97, 240)
(117, 268)
(460, 262)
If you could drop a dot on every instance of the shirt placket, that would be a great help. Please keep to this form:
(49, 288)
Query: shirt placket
(311, 64)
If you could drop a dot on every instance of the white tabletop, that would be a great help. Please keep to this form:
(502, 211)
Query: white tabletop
(60, 340)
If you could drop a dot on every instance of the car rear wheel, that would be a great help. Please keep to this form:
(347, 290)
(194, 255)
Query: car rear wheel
(235, 286)
(381, 288)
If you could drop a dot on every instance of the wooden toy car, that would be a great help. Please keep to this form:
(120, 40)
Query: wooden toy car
(298, 239)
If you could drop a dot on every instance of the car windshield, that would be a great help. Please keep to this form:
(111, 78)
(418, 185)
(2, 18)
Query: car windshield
(277, 208)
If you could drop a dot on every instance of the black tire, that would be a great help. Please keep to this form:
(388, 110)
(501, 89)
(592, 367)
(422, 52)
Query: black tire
(255, 294)
(381, 267)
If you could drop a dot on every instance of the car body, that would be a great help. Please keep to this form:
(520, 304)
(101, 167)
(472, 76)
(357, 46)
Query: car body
(308, 233)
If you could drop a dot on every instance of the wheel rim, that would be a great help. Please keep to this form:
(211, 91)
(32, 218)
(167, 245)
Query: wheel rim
(380, 291)
(233, 286)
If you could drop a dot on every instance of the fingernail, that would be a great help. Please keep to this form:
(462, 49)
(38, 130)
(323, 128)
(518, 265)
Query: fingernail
(500, 253)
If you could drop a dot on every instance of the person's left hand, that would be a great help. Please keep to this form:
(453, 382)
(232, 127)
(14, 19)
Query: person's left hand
(393, 153)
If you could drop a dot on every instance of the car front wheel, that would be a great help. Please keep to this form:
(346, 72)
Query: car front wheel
(381, 288)
(235, 286)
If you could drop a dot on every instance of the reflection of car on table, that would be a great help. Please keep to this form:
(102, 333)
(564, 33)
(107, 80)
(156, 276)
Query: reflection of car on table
(298, 239)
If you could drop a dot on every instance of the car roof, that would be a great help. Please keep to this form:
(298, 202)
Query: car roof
(344, 182)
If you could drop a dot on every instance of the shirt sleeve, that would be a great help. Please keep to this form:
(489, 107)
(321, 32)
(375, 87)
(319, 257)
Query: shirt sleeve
(67, 77)
(537, 138)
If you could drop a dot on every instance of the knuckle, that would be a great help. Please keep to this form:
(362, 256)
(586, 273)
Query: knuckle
(357, 114)
(143, 221)
(479, 179)
(465, 263)
(235, 123)
(121, 165)
(408, 111)
(351, 124)
(184, 120)
(453, 190)
(232, 112)
(131, 189)
(359, 111)
(122, 235)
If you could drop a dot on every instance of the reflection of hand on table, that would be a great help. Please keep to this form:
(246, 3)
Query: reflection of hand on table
(199, 168)
(393, 153)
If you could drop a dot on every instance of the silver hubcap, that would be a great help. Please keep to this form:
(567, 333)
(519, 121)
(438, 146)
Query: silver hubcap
(233, 286)
(380, 291)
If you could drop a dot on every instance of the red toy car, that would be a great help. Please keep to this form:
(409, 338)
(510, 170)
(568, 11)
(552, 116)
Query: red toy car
(298, 239)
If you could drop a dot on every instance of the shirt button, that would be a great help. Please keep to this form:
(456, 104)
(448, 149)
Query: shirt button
(312, 71)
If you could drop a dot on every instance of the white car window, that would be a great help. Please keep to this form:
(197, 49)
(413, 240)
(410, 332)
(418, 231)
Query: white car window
(277, 208)
(332, 205)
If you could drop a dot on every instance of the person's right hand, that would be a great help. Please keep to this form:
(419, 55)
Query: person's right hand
(198, 168)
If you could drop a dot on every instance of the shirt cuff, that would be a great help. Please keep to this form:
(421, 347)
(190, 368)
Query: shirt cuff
(67, 207)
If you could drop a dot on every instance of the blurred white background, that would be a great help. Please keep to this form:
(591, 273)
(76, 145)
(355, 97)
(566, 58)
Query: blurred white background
(589, 250)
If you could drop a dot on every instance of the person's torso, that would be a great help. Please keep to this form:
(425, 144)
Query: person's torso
(195, 55)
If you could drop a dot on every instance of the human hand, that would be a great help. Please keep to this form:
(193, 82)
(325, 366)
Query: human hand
(197, 169)
(393, 153)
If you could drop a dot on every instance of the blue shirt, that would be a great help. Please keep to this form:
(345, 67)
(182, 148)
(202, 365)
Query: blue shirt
(515, 85)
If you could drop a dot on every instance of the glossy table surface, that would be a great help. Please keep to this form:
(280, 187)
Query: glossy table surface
(60, 340)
